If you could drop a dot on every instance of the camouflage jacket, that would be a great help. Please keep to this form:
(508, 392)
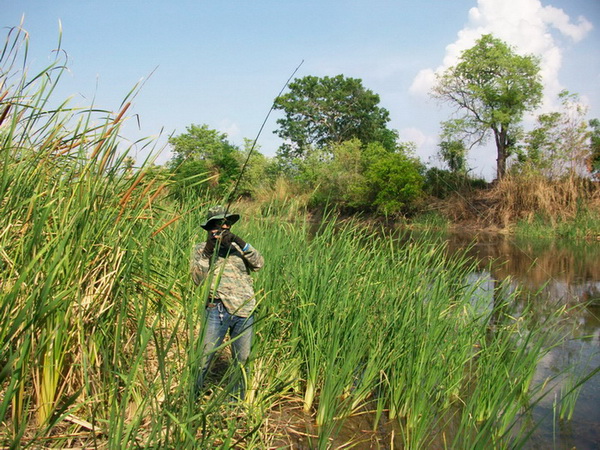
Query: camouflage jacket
(231, 280)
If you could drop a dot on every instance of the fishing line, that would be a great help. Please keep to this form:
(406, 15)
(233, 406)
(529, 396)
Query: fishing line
(232, 195)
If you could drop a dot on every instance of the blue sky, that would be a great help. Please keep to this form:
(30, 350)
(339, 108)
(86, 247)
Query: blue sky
(222, 63)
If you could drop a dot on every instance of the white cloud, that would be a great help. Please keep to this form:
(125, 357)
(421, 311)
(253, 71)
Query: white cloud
(423, 82)
(526, 25)
(557, 18)
(426, 145)
(415, 135)
(231, 129)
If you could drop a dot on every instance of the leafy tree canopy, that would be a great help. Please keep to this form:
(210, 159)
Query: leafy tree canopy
(560, 142)
(453, 151)
(594, 160)
(492, 87)
(207, 151)
(199, 142)
(320, 112)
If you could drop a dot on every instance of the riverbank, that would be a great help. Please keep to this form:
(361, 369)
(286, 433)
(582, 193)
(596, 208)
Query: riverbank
(529, 206)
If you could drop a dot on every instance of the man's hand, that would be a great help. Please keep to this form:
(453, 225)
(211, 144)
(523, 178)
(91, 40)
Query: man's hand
(227, 238)
(223, 239)
(211, 243)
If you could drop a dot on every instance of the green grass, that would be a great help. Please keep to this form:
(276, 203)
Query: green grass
(430, 220)
(100, 324)
(585, 225)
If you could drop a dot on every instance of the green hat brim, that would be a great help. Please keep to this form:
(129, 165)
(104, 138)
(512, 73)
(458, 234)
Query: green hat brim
(231, 219)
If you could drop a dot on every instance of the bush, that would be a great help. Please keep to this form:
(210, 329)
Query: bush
(441, 183)
(394, 183)
(369, 179)
(189, 180)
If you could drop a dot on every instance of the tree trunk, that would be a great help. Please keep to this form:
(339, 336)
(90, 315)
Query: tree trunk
(501, 137)
(501, 164)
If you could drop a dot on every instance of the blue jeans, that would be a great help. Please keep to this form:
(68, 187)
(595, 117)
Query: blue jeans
(218, 323)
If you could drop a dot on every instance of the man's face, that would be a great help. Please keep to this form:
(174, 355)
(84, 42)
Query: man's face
(218, 226)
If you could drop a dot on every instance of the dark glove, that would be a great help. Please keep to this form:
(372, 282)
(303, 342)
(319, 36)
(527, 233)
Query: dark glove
(209, 247)
(227, 238)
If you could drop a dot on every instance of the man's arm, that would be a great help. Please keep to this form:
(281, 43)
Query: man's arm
(254, 260)
(252, 257)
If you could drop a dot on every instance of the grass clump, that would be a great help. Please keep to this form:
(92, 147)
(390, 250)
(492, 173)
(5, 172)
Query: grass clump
(530, 198)
(584, 225)
(432, 220)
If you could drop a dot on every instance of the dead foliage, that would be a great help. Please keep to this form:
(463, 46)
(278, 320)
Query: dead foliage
(522, 198)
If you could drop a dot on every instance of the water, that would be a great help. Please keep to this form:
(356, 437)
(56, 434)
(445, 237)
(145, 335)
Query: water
(552, 274)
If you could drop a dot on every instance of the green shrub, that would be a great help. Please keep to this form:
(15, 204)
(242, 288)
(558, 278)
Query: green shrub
(369, 179)
(394, 183)
(442, 183)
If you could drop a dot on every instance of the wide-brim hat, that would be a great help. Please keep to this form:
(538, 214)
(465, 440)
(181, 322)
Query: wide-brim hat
(219, 213)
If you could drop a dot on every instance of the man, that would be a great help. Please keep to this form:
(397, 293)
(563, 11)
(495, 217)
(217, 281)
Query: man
(227, 261)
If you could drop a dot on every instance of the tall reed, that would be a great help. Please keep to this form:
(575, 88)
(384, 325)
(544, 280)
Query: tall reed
(91, 313)
(369, 319)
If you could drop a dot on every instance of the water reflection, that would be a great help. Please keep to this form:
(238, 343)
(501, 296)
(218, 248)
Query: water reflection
(533, 263)
(550, 274)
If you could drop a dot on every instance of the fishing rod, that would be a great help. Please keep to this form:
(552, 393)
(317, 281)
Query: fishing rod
(235, 187)
(232, 195)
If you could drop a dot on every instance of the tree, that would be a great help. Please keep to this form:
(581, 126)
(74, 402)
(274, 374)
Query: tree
(452, 149)
(199, 142)
(594, 159)
(453, 153)
(320, 112)
(560, 142)
(493, 87)
(203, 150)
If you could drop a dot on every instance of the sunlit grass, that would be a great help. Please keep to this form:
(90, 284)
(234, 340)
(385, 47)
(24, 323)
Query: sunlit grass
(584, 225)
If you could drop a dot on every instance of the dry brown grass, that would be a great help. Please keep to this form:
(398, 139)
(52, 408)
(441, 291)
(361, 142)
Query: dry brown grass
(518, 198)
(522, 197)
(284, 198)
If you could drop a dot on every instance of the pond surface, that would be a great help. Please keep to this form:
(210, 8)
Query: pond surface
(552, 274)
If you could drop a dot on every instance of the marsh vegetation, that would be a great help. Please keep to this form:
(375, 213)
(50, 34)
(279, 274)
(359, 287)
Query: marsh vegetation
(100, 321)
